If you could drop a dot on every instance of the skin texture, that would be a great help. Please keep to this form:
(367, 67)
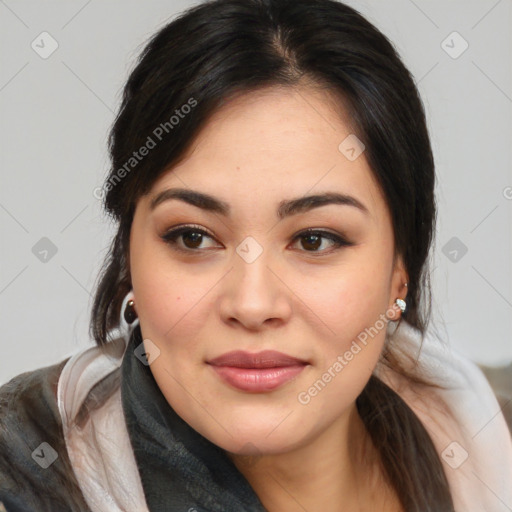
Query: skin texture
(303, 297)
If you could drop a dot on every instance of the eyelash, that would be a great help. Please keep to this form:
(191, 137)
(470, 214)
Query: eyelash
(171, 236)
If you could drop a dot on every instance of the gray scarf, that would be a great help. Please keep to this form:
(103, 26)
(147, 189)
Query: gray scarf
(181, 471)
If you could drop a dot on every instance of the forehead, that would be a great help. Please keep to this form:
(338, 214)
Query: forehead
(275, 119)
(277, 141)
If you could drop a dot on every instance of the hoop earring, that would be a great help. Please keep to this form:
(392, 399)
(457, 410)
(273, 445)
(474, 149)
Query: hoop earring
(129, 313)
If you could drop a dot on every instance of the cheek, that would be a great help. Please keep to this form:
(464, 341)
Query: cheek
(165, 296)
(358, 297)
(354, 309)
(168, 307)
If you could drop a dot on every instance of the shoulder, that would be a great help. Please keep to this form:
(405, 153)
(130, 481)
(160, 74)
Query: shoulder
(462, 416)
(500, 379)
(34, 457)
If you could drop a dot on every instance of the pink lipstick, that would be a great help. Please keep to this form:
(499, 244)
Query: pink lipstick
(257, 372)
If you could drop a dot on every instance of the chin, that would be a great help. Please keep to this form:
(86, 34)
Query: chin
(256, 446)
(257, 439)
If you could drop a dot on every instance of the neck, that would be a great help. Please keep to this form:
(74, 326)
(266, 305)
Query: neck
(338, 468)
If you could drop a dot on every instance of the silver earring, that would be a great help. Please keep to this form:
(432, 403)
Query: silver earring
(401, 304)
(129, 312)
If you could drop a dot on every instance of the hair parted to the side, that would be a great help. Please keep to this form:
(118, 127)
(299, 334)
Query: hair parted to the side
(222, 48)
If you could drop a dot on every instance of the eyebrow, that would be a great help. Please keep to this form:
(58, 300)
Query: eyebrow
(286, 208)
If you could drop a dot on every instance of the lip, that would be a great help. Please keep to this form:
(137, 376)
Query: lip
(257, 372)
(263, 359)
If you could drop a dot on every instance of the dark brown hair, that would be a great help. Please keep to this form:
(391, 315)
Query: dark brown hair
(222, 48)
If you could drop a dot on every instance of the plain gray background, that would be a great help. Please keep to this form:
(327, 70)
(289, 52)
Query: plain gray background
(56, 113)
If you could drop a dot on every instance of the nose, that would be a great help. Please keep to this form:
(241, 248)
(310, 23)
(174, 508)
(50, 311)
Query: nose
(255, 295)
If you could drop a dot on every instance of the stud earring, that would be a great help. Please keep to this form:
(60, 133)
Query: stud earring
(401, 304)
(129, 312)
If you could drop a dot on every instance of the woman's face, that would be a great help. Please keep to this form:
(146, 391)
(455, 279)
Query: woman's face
(245, 276)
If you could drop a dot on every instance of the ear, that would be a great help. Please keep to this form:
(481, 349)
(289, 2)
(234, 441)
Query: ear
(399, 280)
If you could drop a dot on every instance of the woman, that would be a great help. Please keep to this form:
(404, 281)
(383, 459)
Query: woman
(260, 319)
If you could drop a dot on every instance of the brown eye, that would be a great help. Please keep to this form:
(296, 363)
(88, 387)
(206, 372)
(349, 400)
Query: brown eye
(312, 240)
(191, 238)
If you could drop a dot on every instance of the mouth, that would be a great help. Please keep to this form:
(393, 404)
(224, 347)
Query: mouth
(257, 372)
